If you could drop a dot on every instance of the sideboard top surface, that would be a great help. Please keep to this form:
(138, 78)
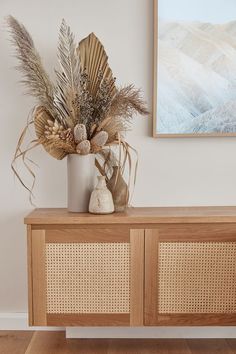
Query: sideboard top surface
(169, 215)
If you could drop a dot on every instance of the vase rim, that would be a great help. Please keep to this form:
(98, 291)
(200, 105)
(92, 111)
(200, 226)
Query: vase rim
(75, 154)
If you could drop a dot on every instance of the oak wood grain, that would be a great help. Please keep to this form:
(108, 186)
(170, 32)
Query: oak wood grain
(29, 273)
(14, 342)
(39, 278)
(197, 232)
(43, 342)
(137, 278)
(207, 346)
(87, 235)
(135, 216)
(205, 319)
(88, 319)
(155, 56)
(232, 344)
(151, 280)
(55, 342)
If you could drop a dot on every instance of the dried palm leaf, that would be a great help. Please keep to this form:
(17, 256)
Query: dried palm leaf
(68, 77)
(94, 60)
(35, 77)
(58, 144)
(41, 117)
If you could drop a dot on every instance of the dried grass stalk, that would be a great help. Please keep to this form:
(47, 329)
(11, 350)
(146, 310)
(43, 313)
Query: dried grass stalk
(126, 104)
(35, 77)
(22, 153)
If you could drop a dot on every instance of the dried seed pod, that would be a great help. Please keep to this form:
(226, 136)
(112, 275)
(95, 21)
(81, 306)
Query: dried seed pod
(53, 129)
(99, 140)
(41, 118)
(80, 133)
(67, 135)
(50, 122)
(83, 148)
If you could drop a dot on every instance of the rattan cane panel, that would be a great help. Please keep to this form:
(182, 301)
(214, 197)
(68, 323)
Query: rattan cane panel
(197, 277)
(88, 277)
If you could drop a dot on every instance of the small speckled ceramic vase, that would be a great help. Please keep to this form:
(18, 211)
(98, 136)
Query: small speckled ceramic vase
(101, 201)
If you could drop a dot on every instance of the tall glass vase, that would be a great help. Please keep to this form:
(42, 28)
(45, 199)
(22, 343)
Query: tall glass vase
(81, 173)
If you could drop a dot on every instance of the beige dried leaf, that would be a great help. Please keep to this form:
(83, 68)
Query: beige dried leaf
(94, 60)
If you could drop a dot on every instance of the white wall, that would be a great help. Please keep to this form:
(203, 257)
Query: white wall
(200, 171)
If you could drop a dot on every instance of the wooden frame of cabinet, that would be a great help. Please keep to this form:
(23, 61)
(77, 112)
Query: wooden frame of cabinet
(37, 241)
(176, 234)
(144, 229)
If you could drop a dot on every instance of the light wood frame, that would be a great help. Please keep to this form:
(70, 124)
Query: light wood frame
(155, 90)
(180, 233)
(144, 229)
(37, 239)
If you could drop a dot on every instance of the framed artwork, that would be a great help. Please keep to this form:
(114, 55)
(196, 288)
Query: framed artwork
(194, 68)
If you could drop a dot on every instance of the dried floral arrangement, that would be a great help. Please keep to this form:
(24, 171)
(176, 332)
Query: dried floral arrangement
(83, 111)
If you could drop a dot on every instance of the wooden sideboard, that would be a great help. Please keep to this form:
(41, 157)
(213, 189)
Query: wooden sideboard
(145, 267)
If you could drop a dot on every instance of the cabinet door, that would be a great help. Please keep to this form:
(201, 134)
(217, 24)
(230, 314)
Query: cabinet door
(86, 277)
(190, 275)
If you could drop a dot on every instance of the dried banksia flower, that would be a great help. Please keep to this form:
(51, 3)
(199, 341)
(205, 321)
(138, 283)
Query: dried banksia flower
(83, 148)
(80, 133)
(99, 140)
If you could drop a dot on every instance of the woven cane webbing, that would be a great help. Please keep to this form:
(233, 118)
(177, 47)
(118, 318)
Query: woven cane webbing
(88, 277)
(197, 277)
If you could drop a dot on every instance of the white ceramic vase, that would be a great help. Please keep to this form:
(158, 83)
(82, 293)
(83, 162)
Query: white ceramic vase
(101, 201)
(81, 173)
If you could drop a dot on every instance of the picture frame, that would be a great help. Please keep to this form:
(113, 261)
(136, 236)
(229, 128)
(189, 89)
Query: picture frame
(157, 133)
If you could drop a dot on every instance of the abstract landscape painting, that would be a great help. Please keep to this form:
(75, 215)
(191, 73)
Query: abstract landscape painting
(196, 73)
